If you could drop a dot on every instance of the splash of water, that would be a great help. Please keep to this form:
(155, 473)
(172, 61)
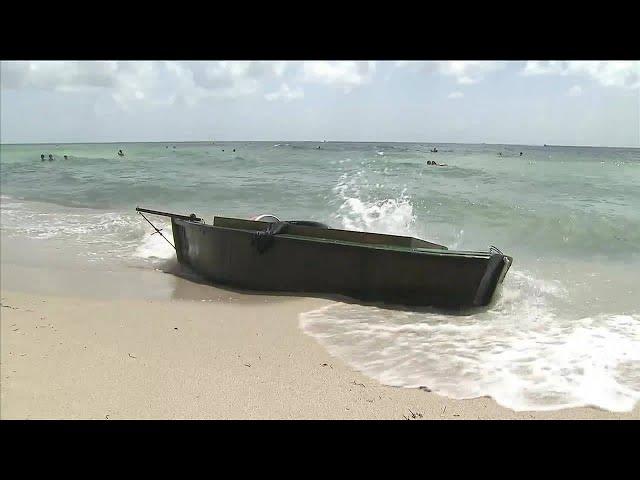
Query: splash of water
(357, 212)
(153, 247)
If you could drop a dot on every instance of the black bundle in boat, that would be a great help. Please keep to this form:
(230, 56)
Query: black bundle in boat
(307, 223)
(263, 240)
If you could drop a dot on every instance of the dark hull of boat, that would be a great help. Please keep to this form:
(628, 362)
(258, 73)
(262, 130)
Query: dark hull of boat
(316, 266)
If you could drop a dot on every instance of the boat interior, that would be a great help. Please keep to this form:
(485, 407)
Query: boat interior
(331, 234)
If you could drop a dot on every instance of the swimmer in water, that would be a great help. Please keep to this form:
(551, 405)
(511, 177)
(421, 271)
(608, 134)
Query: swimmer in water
(42, 157)
(234, 149)
(120, 153)
(520, 153)
(50, 157)
(66, 158)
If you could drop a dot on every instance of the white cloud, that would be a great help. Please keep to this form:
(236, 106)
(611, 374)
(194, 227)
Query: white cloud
(575, 91)
(343, 74)
(543, 68)
(285, 93)
(455, 95)
(58, 75)
(239, 77)
(607, 73)
(468, 72)
(464, 72)
(154, 82)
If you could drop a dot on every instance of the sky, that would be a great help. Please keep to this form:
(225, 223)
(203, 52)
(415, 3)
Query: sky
(594, 103)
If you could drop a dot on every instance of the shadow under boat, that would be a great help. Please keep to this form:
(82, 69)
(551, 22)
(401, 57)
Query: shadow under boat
(281, 261)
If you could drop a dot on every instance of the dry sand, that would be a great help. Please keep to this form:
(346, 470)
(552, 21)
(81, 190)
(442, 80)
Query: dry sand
(235, 356)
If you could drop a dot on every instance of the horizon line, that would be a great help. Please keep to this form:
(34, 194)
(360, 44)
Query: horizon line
(316, 141)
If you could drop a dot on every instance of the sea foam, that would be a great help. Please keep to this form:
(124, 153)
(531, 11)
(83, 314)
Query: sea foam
(528, 351)
(521, 352)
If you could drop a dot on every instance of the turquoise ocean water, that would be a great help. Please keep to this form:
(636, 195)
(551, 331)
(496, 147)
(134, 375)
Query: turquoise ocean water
(565, 332)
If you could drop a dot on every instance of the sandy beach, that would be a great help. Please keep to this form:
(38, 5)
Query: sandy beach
(83, 340)
(234, 357)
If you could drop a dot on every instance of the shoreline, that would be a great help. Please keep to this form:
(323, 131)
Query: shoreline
(67, 357)
(82, 340)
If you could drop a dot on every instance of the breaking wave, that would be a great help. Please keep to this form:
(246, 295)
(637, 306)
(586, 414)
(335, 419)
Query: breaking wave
(532, 350)
(391, 215)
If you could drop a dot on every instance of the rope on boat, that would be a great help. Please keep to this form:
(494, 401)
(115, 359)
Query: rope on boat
(157, 230)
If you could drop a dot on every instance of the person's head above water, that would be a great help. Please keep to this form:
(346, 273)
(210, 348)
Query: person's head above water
(42, 156)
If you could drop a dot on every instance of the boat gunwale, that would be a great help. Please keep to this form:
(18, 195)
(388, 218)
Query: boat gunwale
(394, 248)
(392, 235)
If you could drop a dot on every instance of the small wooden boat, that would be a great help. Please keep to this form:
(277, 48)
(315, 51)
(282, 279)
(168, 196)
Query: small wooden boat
(310, 258)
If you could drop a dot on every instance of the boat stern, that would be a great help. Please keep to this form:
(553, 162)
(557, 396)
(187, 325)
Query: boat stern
(497, 267)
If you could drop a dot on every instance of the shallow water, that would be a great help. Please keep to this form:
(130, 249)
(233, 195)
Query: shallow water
(564, 331)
